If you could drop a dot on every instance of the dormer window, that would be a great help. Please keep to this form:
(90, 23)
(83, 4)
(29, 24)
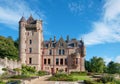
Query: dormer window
(61, 52)
(50, 52)
(61, 44)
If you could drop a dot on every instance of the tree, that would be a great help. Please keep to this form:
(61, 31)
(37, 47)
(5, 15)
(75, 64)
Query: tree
(87, 66)
(16, 43)
(7, 48)
(113, 68)
(96, 64)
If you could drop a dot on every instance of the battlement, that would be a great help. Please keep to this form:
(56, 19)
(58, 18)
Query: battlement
(31, 27)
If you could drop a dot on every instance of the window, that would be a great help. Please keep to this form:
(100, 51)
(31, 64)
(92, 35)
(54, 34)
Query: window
(30, 60)
(44, 61)
(28, 33)
(59, 51)
(57, 61)
(47, 45)
(61, 61)
(76, 60)
(30, 41)
(65, 69)
(48, 61)
(61, 44)
(56, 69)
(50, 52)
(32, 33)
(66, 61)
(63, 52)
(30, 50)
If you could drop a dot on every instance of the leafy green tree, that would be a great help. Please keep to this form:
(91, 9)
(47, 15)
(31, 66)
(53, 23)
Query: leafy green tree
(96, 64)
(113, 67)
(16, 43)
(88, 66)
(7, 48)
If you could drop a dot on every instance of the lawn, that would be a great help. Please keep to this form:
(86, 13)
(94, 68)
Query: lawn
(78, 77)
(70, 77)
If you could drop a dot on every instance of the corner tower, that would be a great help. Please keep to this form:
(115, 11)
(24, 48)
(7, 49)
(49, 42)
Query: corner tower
(31, 38)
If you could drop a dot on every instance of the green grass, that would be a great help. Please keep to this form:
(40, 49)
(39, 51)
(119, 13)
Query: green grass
(71, 77)
(81, 77)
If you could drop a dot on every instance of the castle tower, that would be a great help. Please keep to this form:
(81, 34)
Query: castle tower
(22, 40)
(31, 38)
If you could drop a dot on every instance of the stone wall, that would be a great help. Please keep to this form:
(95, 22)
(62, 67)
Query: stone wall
(11, 64)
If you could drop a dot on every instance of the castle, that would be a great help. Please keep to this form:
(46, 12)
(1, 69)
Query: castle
(52, 55)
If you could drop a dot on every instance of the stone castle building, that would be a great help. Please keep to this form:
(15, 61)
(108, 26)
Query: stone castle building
(52, 55)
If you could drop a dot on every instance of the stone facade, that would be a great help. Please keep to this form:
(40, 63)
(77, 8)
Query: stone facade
(51, 56)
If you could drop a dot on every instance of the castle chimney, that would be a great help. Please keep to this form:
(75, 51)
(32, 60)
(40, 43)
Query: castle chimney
(50, 39)
(67, 38)
(54, 38)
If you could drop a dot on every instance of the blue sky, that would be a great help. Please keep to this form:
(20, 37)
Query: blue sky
(96, 21)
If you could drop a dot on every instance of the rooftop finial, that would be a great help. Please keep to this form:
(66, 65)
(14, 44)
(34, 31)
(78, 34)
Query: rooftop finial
(82, 41)
(50, 39)
(54, 38)
(67, 38)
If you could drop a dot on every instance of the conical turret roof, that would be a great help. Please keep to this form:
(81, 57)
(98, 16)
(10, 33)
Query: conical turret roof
(22, 19)
(30, 19)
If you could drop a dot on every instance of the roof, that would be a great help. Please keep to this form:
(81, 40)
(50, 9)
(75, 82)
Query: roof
(22, 19)
(64, 43)
(30, 19)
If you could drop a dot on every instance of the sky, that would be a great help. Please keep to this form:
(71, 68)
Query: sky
(97, 22)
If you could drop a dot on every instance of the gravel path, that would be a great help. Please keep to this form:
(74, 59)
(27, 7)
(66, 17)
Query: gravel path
(42, 80)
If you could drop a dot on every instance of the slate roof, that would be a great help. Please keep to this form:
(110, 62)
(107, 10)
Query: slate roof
(22, 19)
(69, 44)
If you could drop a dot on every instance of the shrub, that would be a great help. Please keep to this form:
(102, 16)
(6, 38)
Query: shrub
(28, 70)
(4, 69)
(79, 73)
(14, 82)
(19, 76)
(89, 82)
(42, 73)
(106, 79)
(1, 82)
(62, 77)
(117, 81)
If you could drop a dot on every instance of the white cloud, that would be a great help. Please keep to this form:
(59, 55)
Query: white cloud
(117, 59)
(107, 29)
(76, 7)
(12, 10)
(107, 59)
